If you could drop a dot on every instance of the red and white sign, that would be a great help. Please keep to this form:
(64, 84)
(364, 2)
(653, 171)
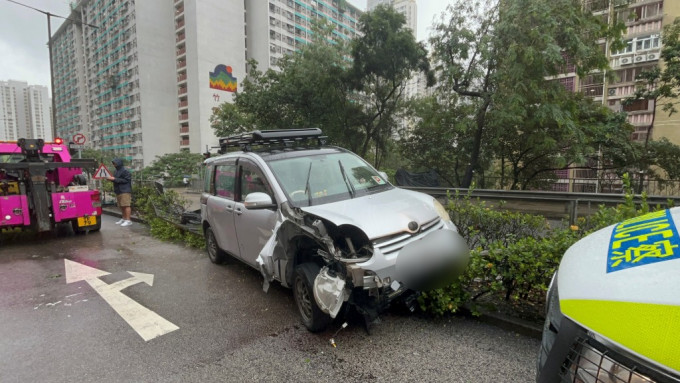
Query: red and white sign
(102, 172)
(79, 138)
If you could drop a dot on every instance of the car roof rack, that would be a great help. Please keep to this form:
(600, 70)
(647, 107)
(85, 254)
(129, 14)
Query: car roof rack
(280, 137)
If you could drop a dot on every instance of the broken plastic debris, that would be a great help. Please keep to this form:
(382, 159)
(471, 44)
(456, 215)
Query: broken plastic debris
(329, 292)
(395, 285)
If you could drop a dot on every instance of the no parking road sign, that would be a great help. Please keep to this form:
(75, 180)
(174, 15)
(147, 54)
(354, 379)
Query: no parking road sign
(102, 172)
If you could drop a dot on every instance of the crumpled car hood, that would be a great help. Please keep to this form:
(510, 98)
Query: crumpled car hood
(379, 214)
(623, 282)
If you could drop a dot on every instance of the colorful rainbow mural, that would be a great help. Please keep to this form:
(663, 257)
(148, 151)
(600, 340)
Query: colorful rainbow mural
(223, 79)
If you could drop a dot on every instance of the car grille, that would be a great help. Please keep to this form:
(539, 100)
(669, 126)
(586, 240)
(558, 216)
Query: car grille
(394, 243)
(590, 362)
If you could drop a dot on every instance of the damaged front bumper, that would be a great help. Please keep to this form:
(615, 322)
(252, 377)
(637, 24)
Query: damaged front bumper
(424, 260)
(379, 270)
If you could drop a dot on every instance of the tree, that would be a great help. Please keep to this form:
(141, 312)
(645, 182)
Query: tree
(498, 56)
(385, 56)
(439, 139)
(353, 95)
(310, 90)
(173, 167)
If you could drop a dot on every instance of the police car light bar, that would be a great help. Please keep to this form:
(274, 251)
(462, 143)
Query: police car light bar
(284, 137)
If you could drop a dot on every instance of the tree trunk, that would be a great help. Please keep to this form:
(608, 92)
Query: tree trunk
(476, 146)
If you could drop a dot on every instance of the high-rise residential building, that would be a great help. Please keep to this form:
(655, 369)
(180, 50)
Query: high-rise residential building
(24, 111)
(644, 20)
(145, 81)
(408, 8)
(116, 82)
(281, 27)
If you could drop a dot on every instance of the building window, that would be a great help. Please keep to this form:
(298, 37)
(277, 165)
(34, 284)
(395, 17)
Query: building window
(568, 83)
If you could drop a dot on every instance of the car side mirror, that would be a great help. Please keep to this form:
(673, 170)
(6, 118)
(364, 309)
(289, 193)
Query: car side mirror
(384, 175)
(257, 200)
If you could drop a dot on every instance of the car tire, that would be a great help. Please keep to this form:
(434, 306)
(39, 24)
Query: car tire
(215, 254)
(313, 318)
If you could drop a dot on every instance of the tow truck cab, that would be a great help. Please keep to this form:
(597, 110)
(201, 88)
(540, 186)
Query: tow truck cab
(41, 185)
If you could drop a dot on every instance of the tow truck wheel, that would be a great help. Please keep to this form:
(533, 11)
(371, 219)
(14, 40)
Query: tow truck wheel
(215, 254)
(313, 318)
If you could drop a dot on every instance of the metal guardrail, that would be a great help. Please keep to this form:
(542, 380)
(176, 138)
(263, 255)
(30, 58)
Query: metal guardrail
(556, 205)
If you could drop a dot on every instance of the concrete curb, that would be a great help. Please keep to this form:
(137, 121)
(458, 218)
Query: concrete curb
(509, 323)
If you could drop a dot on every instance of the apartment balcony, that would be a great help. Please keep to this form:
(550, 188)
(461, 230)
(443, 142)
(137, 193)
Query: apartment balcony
(640, 119)
(179, 24)
(181, 91)
(184, 130)
(181, 64)
(183, 104)
(182, 77)
(184, 142)
(179, 10)
(180, 37)
(181, 51)
(184, 117)
(595, 90)
(596, 6)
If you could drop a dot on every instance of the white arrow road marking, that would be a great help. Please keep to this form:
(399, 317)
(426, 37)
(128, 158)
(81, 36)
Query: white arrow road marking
(145, 322)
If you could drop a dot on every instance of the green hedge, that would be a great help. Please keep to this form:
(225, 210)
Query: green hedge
(156, 209)
(513, 255)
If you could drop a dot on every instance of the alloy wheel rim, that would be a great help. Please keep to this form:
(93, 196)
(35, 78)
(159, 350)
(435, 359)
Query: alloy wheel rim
(212, 247)
(303, 300)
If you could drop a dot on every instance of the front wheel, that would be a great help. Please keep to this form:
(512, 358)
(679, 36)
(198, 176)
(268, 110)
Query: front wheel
(215, 254)
(313, 318)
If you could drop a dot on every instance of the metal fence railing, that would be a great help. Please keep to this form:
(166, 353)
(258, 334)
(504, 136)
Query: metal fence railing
(666, 188)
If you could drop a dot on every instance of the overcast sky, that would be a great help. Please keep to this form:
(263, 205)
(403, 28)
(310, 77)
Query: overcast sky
(23, 35)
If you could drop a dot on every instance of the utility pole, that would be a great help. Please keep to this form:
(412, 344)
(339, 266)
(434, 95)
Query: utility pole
(49, 47)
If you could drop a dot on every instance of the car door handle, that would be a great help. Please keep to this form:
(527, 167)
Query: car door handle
(229, 208)
(238, 211)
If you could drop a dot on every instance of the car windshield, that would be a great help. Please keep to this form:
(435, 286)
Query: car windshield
(324, 178)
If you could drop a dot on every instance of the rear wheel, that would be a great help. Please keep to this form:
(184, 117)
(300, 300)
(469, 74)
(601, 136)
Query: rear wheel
(215, 254)
(313, 318)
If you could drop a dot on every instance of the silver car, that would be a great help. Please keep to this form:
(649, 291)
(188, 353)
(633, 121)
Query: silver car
(322, 221)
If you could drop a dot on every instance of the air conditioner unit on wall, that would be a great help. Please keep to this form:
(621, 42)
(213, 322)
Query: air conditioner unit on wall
(652, 56)
(625, 61)
(640, 58)
(611, 92)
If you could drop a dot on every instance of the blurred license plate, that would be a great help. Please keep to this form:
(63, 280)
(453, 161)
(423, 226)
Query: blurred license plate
(87, 221)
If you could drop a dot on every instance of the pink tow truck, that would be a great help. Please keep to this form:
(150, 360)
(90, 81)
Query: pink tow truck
(42, 186)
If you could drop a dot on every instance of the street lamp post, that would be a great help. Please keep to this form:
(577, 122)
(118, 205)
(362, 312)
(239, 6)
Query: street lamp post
(54, 102)
(49, 47)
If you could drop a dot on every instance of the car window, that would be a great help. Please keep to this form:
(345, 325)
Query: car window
(324, 178)
(253, 180)
(225, 176)
(208, 185)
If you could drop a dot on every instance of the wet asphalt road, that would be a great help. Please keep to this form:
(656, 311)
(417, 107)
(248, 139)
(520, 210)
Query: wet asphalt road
(229, 330)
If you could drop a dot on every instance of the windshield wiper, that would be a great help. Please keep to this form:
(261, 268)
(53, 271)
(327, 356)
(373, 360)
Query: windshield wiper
(348, 183)
(308, 190)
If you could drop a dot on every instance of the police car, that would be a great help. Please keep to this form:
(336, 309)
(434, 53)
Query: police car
(613, 307)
